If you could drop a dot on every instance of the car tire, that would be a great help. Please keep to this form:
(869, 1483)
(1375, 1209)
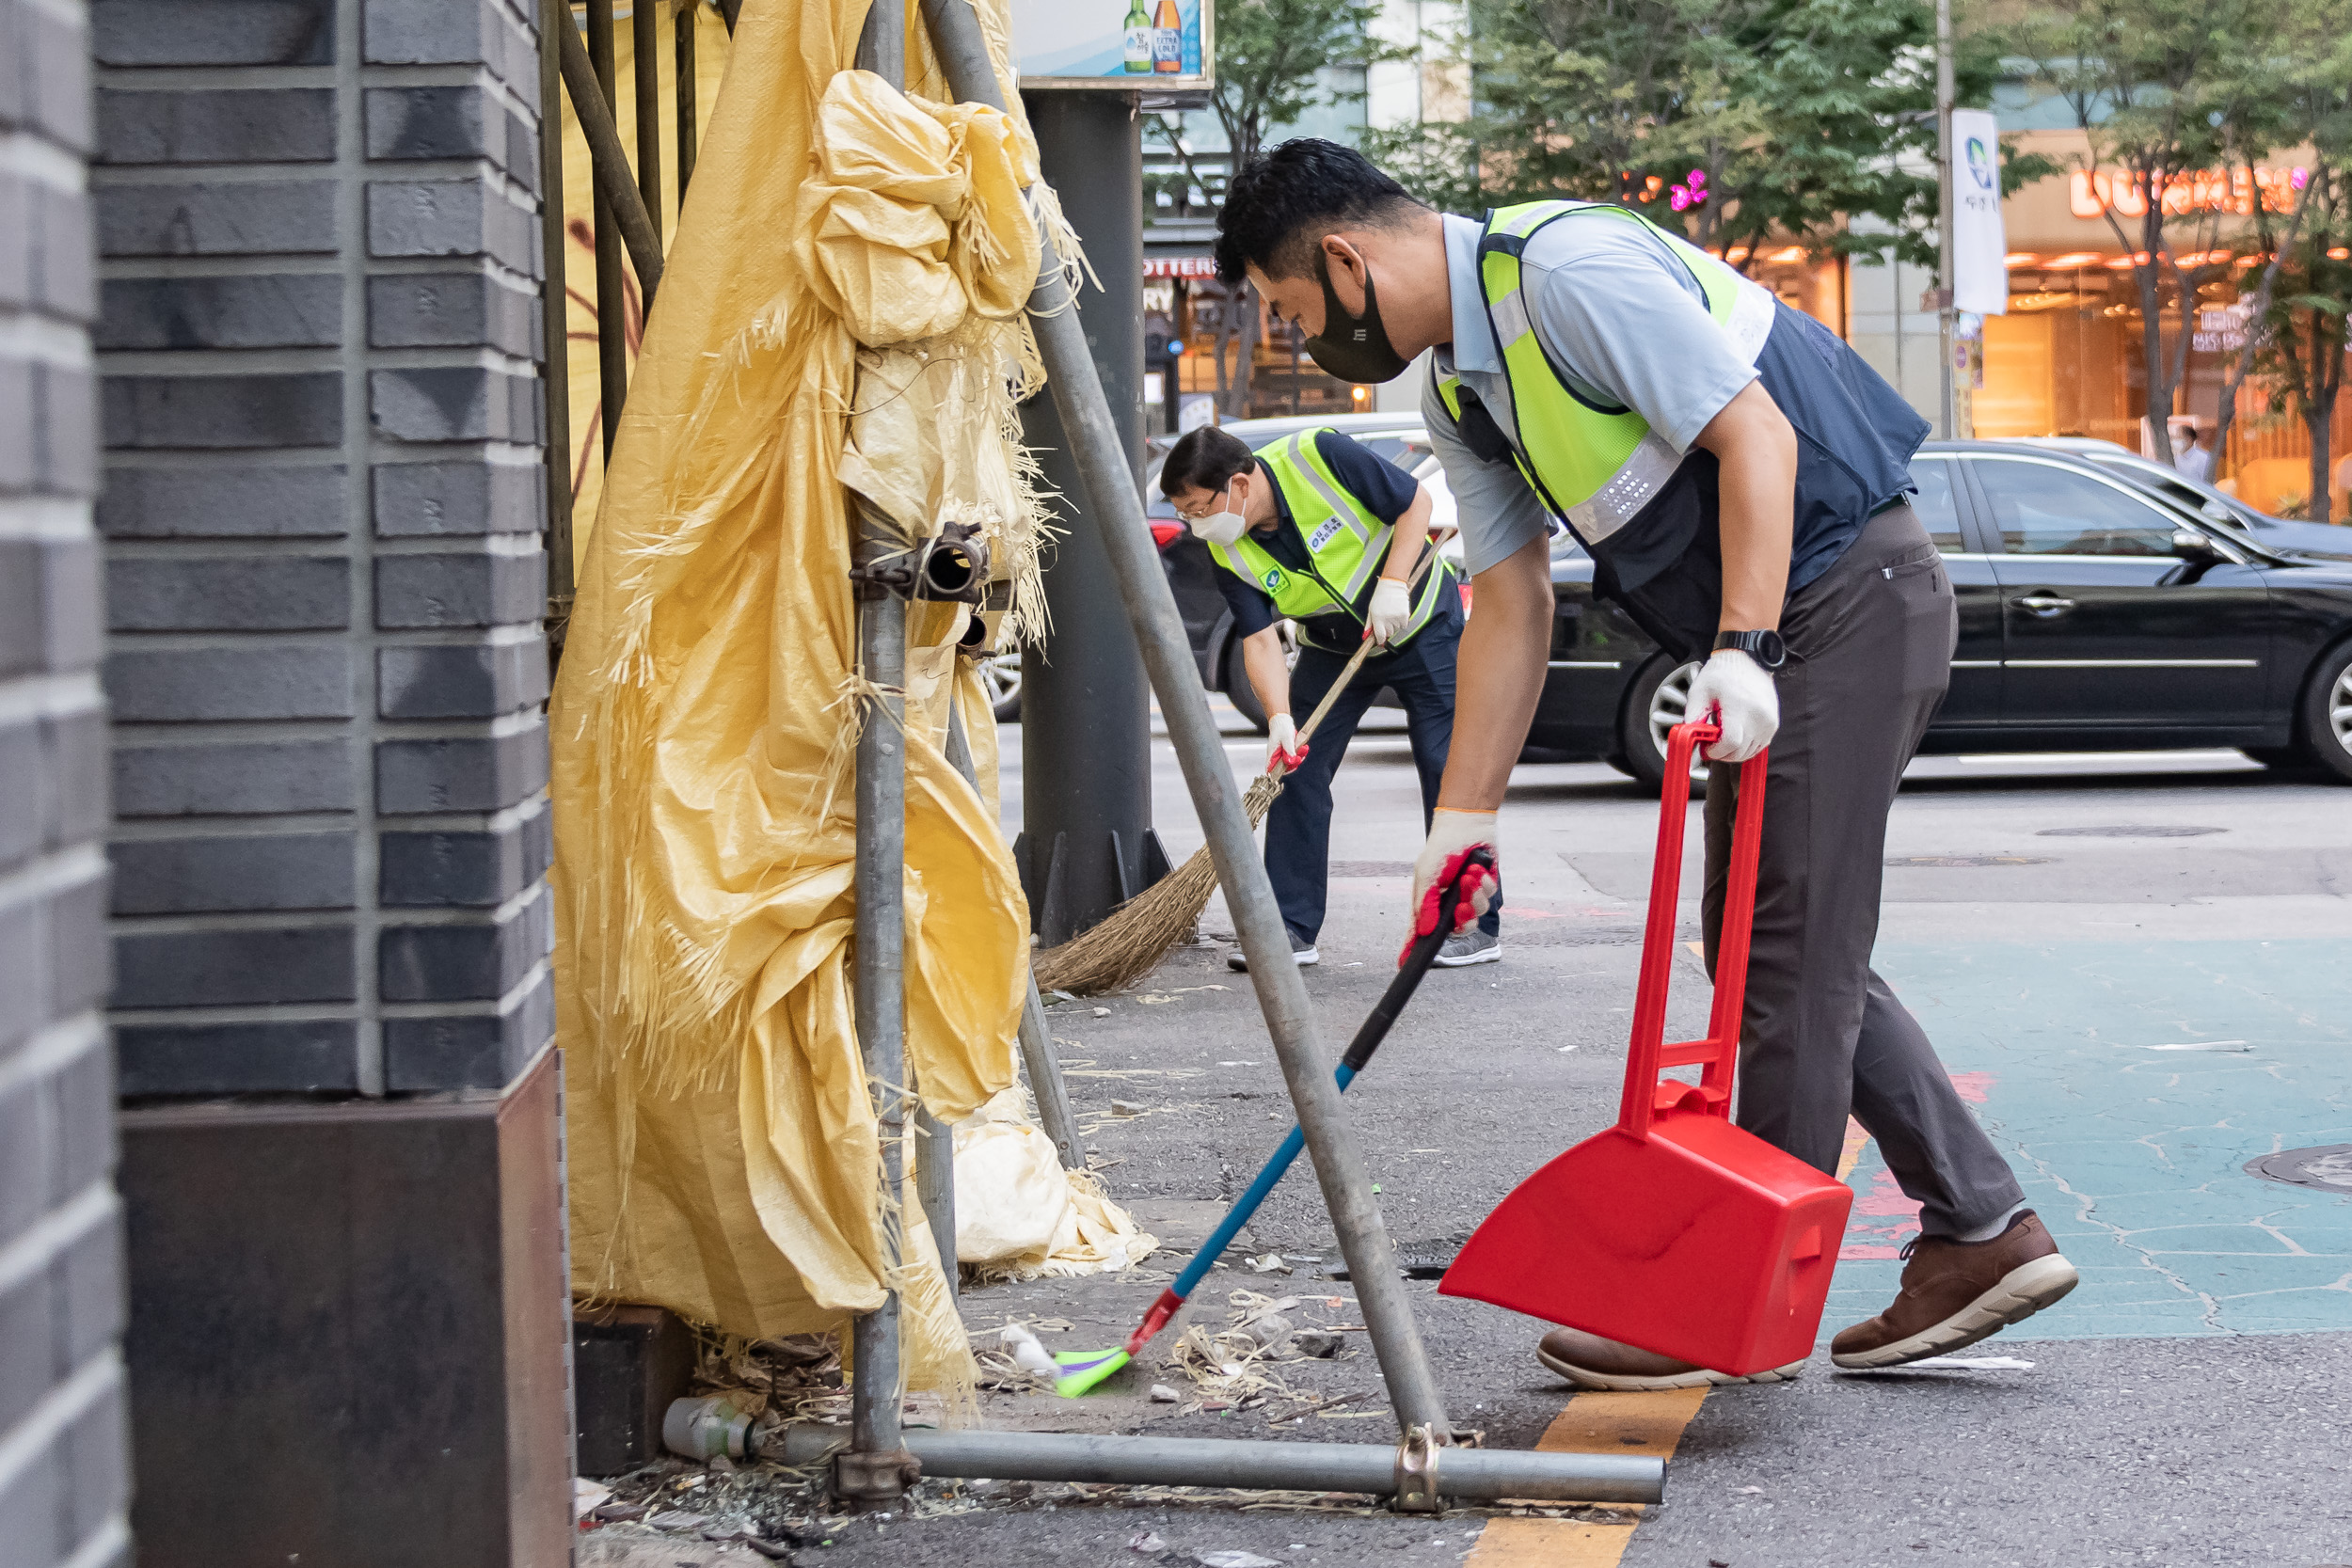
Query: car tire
(1000, 676)
(1238, 690)
(2327, 713)
(1653, 703)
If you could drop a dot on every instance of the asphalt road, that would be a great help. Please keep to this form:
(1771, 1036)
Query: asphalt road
(2135, 1008)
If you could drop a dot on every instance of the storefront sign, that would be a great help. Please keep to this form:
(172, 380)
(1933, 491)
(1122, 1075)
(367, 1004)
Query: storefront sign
(1154, 45)
(2204, 190)
(1980, 270)
(1199, 267)
(2222, 329)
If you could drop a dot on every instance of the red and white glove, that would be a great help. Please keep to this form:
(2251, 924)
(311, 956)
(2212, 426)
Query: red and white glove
(1453, 834)
(1745, 701)
(1283, 749)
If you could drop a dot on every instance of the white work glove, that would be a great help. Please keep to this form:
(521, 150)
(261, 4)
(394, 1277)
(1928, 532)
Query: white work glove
(1745, 701)
(1391, 608)
(1451, 835)
(1283, 748)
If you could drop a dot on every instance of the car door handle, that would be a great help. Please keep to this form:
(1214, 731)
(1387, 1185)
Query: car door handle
(2044, 604)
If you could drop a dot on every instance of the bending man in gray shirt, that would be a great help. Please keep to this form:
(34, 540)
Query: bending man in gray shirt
(1740, 478)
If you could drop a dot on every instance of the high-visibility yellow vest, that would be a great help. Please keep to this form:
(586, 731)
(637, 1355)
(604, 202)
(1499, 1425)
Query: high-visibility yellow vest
(1345, 543)
(1596, 467)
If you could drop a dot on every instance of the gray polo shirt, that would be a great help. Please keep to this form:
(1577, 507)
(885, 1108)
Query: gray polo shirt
(1620, 314)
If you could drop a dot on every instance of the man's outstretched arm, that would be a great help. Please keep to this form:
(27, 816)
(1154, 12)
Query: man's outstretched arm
(1499, 675)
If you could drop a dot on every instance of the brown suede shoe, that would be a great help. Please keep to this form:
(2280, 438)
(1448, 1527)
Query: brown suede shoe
(1590, 1361)
(1958, 1292)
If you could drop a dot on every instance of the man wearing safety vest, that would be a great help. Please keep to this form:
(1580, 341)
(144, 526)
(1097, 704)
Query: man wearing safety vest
(1740, 478)
(1320, 531)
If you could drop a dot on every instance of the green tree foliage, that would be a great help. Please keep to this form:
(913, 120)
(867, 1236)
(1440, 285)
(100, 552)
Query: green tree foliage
(2163, 90)
(1271, 56)
(2303, 338)
(1737, 122)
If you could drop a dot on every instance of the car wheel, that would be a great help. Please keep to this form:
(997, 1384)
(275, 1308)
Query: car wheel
(1654, 704)
(1000, 678)
(1237, 687)
(2328, 712)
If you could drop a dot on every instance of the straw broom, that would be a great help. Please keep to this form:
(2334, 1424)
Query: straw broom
(1132, 938)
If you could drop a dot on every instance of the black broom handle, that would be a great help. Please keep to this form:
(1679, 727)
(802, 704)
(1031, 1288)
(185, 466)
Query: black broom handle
(1424, 953)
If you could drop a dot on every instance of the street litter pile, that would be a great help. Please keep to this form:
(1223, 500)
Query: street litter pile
(841, 310)
(1020, 1215)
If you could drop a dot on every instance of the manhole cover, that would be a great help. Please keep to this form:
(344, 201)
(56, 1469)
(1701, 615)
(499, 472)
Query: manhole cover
(2328, 1168)
(2124, 830)
(1970, 860)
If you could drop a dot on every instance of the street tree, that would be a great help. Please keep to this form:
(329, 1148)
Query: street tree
(2165, 93)
(1736, 124)
(1272, 60)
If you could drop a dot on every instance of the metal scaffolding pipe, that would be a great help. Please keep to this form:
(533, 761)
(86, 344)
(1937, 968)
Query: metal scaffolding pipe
(1113, 502)
(610, 165)
(1463, 1475)
(1037, 1046)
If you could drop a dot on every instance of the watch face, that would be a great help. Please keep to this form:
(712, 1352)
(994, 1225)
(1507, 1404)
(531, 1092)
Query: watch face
(1771, 652)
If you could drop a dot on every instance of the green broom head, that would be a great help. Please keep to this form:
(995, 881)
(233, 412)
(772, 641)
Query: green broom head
(1083, 1369)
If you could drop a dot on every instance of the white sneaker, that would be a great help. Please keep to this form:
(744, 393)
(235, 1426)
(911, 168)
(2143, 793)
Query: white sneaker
(1302, 953)
(1464, 948)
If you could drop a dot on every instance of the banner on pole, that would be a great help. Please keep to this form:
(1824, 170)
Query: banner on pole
(1150, 45)
(1980, 274)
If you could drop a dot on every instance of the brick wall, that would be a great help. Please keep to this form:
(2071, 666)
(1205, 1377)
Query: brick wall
(318, 343)
(62, 1467)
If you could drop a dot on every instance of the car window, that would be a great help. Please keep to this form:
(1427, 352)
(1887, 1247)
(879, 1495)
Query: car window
(1937, 507)
(2041, 509)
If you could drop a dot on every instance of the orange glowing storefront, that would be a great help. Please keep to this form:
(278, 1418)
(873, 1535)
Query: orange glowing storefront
(2069, 356)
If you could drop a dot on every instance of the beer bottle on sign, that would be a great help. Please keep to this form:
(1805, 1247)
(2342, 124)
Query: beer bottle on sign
(1167, 40)
(1138, 37)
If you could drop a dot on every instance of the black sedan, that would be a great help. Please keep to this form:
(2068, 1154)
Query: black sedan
(2094, 615)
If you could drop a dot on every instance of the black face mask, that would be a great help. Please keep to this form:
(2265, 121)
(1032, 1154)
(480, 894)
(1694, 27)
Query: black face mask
(1354, 348)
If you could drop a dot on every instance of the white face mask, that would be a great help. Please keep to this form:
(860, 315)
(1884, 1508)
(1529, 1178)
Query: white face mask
(1220, 528)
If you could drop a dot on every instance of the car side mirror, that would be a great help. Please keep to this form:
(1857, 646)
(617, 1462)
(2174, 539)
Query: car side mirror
(2190, 546)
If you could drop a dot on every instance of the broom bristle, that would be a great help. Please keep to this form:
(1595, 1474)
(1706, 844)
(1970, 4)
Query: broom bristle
(1137, 935)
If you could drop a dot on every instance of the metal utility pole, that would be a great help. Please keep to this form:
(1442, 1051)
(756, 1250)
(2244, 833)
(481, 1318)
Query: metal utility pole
(876, 1470)
(1106, 475)
(1946, 277)
(1085, 707)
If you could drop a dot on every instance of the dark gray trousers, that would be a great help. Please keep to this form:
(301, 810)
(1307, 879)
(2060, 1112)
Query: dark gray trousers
(1869, 655)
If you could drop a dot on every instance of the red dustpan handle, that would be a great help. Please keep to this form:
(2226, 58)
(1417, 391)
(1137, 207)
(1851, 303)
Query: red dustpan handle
(1720, 1051)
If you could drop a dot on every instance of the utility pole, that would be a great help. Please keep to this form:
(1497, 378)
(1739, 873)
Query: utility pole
(1945, 278)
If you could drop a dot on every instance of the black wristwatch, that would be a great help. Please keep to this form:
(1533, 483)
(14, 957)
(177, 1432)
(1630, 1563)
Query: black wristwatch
(1765, 647)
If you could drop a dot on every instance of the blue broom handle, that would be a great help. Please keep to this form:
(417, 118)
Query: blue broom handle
(1269, 1177)
(1367, 1040)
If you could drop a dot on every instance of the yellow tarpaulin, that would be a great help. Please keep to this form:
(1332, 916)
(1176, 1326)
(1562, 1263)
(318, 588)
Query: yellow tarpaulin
(839, 241)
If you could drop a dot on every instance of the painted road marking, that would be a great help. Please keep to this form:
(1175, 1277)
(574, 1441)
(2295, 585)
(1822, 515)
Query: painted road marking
(1590, 1423)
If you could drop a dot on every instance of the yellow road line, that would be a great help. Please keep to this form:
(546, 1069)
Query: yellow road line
(1590, 1423)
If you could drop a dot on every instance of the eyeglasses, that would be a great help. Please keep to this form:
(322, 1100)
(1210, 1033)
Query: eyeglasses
(1216, 505)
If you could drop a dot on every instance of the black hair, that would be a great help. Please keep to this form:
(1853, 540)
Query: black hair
(1204, 459)
(1280, 206)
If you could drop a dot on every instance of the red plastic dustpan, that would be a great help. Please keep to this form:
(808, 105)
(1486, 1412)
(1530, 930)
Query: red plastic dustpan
(1674, 1231)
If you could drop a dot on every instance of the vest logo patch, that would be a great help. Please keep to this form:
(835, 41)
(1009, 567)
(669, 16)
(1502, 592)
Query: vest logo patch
(1325, 534)
(1272, 579)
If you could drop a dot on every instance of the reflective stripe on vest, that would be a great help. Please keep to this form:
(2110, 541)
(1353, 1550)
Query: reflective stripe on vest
(1596, 468)
(1345, 543)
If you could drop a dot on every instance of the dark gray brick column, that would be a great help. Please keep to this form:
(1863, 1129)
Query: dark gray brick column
(63, 1456)
(318, 338)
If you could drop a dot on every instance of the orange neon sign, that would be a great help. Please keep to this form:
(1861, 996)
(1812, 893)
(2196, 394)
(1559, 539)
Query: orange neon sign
(2204, 190)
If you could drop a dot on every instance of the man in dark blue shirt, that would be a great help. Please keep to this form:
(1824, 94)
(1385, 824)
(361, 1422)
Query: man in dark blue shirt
(1319, 532)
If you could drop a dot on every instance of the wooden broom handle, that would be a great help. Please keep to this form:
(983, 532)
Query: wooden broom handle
(1356, 660)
